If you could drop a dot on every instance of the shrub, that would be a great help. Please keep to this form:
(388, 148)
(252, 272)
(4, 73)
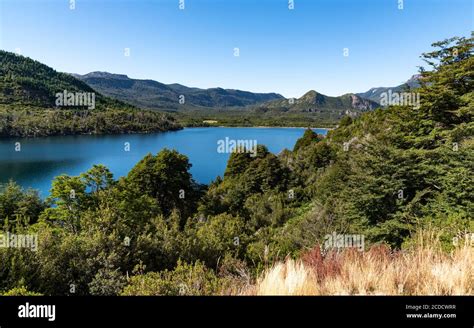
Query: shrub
(185, 279)
(20, 291)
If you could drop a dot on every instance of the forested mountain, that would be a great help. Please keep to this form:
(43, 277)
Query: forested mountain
(324, 107)
(386, 175)
(155, 95)
(29, 106)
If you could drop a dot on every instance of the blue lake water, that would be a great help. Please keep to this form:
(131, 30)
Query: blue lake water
(41, 159)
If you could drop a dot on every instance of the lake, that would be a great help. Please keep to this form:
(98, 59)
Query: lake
(39, 160)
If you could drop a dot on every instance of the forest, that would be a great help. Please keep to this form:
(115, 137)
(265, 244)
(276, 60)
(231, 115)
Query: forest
(393, 175)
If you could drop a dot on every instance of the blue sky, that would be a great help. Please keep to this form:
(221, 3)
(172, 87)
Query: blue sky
(281, 50)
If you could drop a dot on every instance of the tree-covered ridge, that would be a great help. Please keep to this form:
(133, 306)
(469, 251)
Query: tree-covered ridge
(37, 122)
(28, 108)
(383, 175)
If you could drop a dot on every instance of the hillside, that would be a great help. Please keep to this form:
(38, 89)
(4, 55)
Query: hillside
(155, 95)
(35, 100)
(24, 81)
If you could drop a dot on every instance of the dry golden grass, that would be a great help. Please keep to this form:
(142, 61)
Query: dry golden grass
(422, 270)
(288, 278)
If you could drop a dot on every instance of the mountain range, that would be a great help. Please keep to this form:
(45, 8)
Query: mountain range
(29, 82)
(151, 94)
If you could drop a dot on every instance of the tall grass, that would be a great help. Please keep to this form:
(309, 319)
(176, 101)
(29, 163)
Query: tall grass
(423, 269)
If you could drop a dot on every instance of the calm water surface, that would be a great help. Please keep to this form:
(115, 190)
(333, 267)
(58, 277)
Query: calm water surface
(41, 159)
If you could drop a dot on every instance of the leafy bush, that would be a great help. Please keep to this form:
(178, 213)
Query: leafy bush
(185, 279)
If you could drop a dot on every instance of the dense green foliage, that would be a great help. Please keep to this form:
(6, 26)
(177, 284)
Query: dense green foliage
(185, 279)
(383, 174)
(15, 202)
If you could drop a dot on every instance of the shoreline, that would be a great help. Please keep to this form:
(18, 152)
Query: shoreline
(153, 132)
(261, 126)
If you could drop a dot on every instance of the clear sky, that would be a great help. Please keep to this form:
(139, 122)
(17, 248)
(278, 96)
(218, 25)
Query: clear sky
(280, 50)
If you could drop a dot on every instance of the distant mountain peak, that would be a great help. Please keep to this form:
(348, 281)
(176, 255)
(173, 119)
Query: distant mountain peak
(312, 97)
(310, 93)
(414, 78)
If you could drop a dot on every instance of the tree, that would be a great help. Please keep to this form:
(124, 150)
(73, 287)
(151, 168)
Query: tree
(308, 137)
(446, 93)
(17, 203)
(97, 178)
(166, 178)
